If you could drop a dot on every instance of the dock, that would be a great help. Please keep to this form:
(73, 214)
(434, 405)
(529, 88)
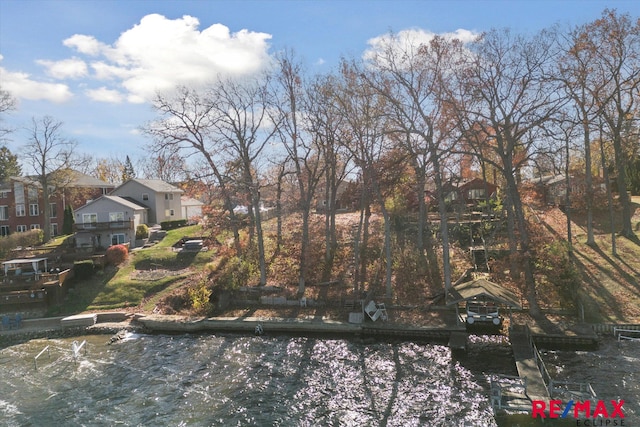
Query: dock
(530, 366)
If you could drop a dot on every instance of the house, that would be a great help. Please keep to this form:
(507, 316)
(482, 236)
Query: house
(162, 198)
(553, 188)
(22, 205)
(469, 193)
(108, 220)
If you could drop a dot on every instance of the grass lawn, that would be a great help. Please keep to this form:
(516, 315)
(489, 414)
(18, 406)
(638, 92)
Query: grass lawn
(145, 274)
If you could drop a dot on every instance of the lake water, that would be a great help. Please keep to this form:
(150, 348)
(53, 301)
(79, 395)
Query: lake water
(231, 380)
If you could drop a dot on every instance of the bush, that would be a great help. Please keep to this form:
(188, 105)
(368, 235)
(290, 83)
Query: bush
(142, 232)
(22, 239)
(170, 225)
(116, 254)
(199, 297)
(83, 269)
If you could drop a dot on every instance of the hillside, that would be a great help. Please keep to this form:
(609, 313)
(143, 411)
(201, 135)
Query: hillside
(610, 285)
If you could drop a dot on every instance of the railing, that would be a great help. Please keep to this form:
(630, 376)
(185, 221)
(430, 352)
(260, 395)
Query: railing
(101, 226)
(546, 378)
(35, 359)
(504, 385)
(629, 334)
(572, 390)
(75, 348)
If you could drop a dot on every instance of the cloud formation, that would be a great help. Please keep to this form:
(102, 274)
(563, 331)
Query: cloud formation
(160, 53)
(406, 39)
(22, 85)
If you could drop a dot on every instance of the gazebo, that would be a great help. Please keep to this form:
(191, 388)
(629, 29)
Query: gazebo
(25, 267)
(483, 300)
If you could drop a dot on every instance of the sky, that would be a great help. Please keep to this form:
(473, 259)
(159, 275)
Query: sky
(95, 65)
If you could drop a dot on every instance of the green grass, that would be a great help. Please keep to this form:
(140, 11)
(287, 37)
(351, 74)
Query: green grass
(116, 288)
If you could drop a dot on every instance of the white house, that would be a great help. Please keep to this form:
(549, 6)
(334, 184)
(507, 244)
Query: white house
(162, 198)
(108, 220)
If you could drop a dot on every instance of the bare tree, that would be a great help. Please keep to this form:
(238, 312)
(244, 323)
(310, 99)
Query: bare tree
(7, 104)
(242, 129)
(411, 77)
(166, 164)
(364, 112)
(506, 93)
(187, 125)
(50, 156)
(613, 42)
(300, 145)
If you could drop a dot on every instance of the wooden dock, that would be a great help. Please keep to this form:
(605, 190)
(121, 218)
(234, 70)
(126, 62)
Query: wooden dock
(527, 363)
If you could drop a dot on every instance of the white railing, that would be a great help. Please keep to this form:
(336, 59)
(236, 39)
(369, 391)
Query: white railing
(35, 359)
(75, 348)
(629, 334)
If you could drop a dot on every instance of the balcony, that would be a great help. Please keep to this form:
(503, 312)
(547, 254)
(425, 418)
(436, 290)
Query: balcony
(104, 226)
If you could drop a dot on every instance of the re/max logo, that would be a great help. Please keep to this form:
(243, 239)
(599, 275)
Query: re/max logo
(577, 409)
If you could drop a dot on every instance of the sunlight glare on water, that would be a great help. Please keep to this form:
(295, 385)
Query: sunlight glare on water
(206, 380)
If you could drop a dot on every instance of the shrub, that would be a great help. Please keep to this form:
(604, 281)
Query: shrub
(83, 269)
(23, 239)
(142, 232)
(199, 296)
(116, 254)
(170, 225)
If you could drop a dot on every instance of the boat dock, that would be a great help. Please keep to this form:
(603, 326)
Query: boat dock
(529, 364)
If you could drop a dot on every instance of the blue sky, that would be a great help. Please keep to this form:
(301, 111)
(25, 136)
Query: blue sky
(94, 64)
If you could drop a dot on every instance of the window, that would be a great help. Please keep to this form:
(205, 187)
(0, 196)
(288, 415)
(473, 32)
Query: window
(4, 213)
(20, 210)
(89, 220)
(145, 196)
(35, 226)
(53, 210)
(32, 193)
(4, 230)
(54, 229)
(168, 196)
(169, 212)
(21, 228)
(475, 193)
(34, 210)
(4, 194)
(116, 216)
(18, 191)
(117, 239)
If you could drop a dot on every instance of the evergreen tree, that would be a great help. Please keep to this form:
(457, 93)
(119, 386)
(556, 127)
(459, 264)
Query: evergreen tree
(8, 164)
(68, 220)
(127, 171)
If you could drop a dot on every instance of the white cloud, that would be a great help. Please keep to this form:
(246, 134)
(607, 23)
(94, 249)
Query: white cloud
(87, 45)
(104, 94)
(21, 85)
(405, 39)
(159, 54)
(72, 68)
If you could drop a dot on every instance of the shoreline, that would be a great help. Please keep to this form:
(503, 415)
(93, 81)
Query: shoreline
(114, 322)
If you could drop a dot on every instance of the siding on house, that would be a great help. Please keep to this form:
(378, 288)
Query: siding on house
(163, 199)
(108, 220)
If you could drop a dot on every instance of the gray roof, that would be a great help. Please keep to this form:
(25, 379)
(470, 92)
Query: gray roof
(158, 185)
(78, 179)
(117, 200)
(482, 288)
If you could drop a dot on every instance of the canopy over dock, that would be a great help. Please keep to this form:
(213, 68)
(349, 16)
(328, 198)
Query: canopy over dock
(482, 289)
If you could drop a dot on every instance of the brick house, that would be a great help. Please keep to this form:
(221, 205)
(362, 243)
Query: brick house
(22, 206)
